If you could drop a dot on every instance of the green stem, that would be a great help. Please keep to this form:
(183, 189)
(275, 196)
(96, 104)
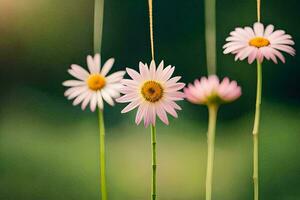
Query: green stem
(102, 156)
(98, 25)
(210, 35)
(256, 130)
(213, 110)
(153, 143)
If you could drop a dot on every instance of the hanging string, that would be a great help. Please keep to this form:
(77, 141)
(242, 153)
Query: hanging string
(258, 10)
(150, 4)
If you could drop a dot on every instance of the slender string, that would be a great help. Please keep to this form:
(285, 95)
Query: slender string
(154, 165)
(98, 26)
(257, 121)
(258, 10)
(150, 4)
(213, 110)
(210, 36)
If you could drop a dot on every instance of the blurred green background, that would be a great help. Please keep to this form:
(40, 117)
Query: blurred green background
(49, 149)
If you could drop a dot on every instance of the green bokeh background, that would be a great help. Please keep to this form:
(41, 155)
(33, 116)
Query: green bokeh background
(49, 149)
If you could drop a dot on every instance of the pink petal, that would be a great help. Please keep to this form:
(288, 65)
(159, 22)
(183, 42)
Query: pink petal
(127, 98)
(258, 29)
(140, 114)
(133, 74)
(167, 74)
(131, 106)
(269, 30)
(161, 113)
(252, 55)
(152, 69)
(144, 71)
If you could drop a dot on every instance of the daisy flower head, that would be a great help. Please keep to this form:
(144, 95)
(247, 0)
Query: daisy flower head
(208, 91)
(259, 43)
(93, 86)
(153, 91)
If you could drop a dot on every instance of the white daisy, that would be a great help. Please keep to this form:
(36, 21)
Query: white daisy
(94, 86)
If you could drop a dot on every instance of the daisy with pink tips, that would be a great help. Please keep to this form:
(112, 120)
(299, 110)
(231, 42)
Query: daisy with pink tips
(94, 86)
(210, 90)
(153, 92)
(259, 43)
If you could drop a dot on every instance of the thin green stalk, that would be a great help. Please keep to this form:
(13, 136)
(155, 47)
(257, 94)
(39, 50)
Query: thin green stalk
(256, 130)
(102, 156)
(153, 143)
(213, 110)
(210, 36)
(98, 25)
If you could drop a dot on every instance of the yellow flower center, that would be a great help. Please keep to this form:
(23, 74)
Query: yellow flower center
(96, 82)
(152, 91)
(259, 42)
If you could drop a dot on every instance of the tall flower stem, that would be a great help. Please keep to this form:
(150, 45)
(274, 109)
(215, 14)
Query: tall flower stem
(153, 143)
(256, 130)
(257, 119)
(153, 129)
(102, 156)
(210, 36)
(98, 26)
(213, 110)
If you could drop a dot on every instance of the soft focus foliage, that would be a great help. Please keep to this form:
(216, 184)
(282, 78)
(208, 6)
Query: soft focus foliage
(48, 148)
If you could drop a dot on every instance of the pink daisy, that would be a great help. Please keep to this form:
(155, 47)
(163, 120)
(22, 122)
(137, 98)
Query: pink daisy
(94, 86)
(211, 91)
(259, 43)
(153, 91)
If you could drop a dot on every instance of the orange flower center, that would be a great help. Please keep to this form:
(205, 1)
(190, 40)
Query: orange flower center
(152, 91)
(259, 42)
(96, 82)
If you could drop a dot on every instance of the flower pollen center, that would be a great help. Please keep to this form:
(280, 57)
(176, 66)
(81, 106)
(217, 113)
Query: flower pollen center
(96, 82)
(152, 91)
(259, 42)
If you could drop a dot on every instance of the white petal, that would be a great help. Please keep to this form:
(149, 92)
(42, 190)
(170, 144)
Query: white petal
(93, 103)
(80, 98)
(80, 70)
(111, 92)
(86, 100)
(77, 75)
(72, 83)
(97, 62)
(115, 77)
(107, 66)
(99, 100)
(91, 64)
(107, 98)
